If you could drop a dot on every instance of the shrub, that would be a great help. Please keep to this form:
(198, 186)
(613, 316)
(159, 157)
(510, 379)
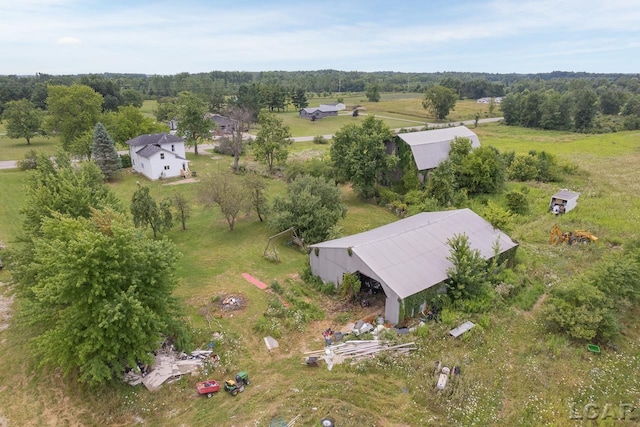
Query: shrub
(498, 217)
(517, 202)
(581, 311)
(126, 160)
(29, 162)
(320, 140)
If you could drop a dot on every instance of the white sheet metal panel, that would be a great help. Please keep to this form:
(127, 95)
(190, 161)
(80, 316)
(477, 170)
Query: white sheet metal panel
(430, 147)
(408, 255)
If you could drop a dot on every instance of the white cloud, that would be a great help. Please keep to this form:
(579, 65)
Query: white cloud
(68, 40)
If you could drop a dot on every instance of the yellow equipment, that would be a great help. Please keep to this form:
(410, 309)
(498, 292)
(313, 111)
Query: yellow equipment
(571, 237)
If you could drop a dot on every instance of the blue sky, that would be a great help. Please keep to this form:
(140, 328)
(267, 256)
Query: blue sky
(162, 37)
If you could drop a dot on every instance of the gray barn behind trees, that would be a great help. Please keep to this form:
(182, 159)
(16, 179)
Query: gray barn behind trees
(430, 147)
(406, 256)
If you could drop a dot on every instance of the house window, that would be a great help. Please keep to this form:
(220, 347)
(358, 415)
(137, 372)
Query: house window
(173, 147)
(133, 162)
(161, 156)
(166, 167)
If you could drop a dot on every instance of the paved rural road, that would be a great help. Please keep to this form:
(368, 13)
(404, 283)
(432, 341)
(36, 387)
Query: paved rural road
(12, 164)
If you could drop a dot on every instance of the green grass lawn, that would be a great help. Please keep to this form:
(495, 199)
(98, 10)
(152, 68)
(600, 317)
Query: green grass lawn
(513, 372)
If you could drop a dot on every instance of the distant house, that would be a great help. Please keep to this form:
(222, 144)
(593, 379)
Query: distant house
(159, 155)
(225, 125)
(339, 105)
(430, 147)
(315, 113)
(408, 256)
(497, 100)
(484, 100)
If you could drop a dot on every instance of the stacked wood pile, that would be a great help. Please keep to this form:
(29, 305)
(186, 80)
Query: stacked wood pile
(356, 351)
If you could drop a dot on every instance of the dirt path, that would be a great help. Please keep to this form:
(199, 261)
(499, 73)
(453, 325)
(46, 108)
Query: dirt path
(5, 310)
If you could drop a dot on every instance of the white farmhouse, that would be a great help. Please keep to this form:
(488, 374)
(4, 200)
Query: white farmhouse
(160, 155)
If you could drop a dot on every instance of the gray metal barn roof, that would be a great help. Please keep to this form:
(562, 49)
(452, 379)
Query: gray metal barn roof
(430, 147)
(410, 255)
(565, 194)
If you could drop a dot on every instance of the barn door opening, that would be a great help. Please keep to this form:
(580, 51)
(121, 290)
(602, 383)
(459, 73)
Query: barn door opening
(371, 292)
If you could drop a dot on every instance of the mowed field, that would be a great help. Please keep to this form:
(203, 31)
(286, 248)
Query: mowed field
(513, 372)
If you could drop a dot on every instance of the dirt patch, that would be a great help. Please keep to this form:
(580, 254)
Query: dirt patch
(5, 310)
(182, 181)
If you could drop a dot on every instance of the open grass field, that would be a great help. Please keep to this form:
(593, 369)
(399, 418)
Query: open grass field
(513, 372)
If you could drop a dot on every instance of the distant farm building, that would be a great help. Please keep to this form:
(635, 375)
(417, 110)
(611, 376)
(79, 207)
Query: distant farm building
(224, 125)
(339, 105)
(316, 113)
(406, 257)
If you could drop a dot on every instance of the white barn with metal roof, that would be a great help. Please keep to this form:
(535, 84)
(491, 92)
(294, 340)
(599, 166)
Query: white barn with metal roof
(430, 147)
(406, 256)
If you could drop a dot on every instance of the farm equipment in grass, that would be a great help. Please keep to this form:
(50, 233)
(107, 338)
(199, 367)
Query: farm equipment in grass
(208, 387)
(571, 237)
(237, 384)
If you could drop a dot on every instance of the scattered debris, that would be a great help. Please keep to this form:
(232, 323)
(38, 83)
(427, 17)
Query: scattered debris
(358, 350)
(461, 329)
(442, 379)
(231, 303)
(271, 343)
(169, 366)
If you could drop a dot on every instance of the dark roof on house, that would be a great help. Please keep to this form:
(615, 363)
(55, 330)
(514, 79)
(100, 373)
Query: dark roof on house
(148, 150)
(156, 138)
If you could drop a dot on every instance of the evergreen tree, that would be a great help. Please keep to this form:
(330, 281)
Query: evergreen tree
(104, 152)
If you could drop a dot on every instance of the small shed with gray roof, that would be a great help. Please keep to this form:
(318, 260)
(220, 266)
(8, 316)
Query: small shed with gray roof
(408, 256)
(159, 155)
(563, 201)
(430, 147)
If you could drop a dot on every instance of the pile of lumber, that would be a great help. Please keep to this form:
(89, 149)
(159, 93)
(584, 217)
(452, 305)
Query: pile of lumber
(355, 351)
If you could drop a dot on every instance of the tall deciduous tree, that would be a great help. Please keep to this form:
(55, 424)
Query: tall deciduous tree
(73, 110)
(182, 208)
(256, 186)
(312, 205)
(358, 154)
(193, 125)
(270, 145)
(146, 212)
(373, 92)
(225, 190)
(24, 120)
(129, 122)
(242, 117)
(104, 152)
(439, 101)
(103, 295)
(57, 186)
